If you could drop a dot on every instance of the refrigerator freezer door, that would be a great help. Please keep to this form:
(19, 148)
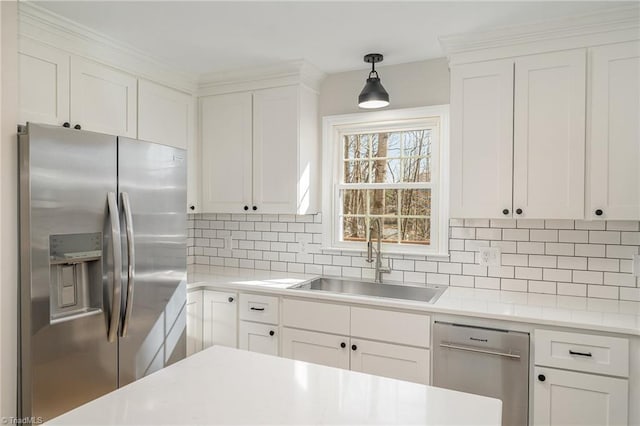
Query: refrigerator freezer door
(154, 179)
(67, 268)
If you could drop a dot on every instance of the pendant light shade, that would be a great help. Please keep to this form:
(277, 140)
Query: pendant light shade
(373, 94)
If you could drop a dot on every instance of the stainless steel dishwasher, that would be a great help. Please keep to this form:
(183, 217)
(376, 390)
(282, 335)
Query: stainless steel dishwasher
(484, 361)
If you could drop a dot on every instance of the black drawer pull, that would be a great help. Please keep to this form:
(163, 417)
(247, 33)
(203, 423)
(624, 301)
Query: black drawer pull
(253, 308)
(580, 353)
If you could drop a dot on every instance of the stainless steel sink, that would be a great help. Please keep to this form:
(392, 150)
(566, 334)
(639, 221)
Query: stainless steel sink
(364, 288)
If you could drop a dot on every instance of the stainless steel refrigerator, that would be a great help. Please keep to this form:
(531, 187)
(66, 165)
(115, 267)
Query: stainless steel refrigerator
(103, 264)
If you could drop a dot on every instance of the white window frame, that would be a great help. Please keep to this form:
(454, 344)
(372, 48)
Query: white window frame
(335, 126)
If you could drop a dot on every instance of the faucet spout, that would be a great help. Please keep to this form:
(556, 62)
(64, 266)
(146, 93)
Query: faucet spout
(378, 260)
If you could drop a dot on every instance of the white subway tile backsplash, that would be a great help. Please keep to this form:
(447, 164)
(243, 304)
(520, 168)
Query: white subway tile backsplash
(543, 261)
(530, 223)
(560, 249)
(544, 235)
(573, 258)
(515, 234)
(572, 289)
(528, 273)
(623, 225)
(513, 285)
(565, 236)
(604, 237)
(587, 277)
(545, 287)
(568, 262)
(603, 292)
(601, 264)
(525, 247)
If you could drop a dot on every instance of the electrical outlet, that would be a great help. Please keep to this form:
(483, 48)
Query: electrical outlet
(228, 243)
(490, 256)
(636, 265)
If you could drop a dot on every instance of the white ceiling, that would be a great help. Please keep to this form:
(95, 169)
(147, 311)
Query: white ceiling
(209, 36)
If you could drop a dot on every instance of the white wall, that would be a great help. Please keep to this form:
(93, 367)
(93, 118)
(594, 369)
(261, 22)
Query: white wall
(8, 207)
(409, 85)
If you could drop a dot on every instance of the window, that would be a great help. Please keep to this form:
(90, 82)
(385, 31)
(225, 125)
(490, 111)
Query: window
(385, 166)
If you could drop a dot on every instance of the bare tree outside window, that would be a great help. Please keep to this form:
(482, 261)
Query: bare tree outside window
(387, 175)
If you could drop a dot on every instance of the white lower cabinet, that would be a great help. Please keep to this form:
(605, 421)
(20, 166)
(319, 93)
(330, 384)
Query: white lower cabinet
(572, 398)
(194, 322)
(588, 395)
(318, 348)
(220, 319)
(389, 360)
(255, 337)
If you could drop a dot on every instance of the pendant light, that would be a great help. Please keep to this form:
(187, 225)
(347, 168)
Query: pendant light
(373, 94)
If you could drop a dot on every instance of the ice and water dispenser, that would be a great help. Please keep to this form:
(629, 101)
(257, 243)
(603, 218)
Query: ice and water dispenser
(75, 262)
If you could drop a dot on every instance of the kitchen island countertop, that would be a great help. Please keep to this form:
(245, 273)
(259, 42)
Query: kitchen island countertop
(229, 386)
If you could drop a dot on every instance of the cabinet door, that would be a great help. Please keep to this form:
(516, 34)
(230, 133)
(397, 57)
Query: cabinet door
(481, 139)
(615, 131)
(220, 319)
(225, 132)
(318, 348)
(43, 74)
(194, 322)
(257, 337)
(549, 135)
(275, 150)
(569, 398)
(388, 360)
(103, 99)
(164, 115)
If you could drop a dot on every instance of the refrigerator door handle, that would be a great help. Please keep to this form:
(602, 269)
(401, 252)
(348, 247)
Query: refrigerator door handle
(131, 259)
(117, 266)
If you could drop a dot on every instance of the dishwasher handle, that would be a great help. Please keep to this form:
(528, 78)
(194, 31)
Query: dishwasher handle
(482, 351)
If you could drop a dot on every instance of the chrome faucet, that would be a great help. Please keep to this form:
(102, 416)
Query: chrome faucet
(379, 269)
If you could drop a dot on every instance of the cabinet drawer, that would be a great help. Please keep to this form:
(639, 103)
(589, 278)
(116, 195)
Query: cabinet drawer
(259, 308)
(389, 326)
(315, 316)
(582, 352)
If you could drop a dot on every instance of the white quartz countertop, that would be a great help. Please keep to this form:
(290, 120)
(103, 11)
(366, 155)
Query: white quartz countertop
(613, 316)
(229, 386)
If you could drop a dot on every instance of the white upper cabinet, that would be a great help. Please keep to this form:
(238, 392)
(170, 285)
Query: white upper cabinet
(226, 163)
(260, 151)
(549, 135)
(481, 139)
(165, 115)
(518, 138)
(275, 133)
(103, 99)
(614, 138)
(43, 84)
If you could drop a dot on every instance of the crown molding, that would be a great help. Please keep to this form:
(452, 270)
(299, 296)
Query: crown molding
(46, 27)
(282, 74)
(607, 26)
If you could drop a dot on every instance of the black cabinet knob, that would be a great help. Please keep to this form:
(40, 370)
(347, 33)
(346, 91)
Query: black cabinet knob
(77, 127)
(271, 332)
(246, 208)
(599, 212)
(505, 211)
(66, 124)
(343, 345)
(192, 207)
(255, 208)
(354, 347)
(541, 377)
(519, 211)
(230, 299)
